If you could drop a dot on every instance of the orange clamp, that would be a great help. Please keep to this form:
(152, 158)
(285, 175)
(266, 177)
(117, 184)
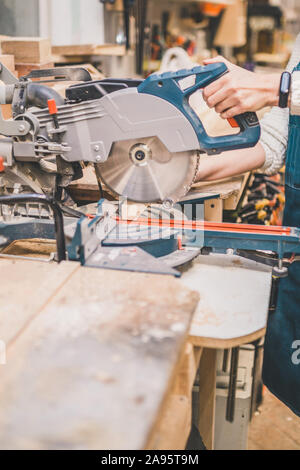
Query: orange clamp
(52, 106)
(2, 165)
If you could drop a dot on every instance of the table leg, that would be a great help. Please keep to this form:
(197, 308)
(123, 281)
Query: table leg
(207, 396)
(213, 210)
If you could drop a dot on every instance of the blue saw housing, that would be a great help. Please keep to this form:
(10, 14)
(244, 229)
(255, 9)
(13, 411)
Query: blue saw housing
(167, 87)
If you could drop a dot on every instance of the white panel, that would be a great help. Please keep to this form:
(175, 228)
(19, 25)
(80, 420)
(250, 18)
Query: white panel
(92, 26)
(70, 22)
(45, 18)
(61, 24)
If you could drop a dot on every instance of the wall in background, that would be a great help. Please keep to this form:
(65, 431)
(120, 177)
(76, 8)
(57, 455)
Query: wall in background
(66, 22)
(19, 17)
(72, 21)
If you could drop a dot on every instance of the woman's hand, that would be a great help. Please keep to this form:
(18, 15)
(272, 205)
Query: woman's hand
(239, 90)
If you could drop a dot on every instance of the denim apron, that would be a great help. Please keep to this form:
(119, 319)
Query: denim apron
(281, 367)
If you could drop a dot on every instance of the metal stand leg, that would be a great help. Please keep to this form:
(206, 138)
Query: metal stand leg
(232, 384)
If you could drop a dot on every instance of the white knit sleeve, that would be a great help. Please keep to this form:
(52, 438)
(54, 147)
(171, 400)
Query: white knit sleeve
(274, 127)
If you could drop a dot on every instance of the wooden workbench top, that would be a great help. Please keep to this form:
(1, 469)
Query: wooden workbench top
(90, 354)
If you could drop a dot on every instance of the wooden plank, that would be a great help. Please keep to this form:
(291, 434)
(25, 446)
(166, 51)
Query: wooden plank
(95, 73)
(8, 60)
(225, 188)
(173, 425)
(96, 363)
(89, 49)
(33, 248)
(28, 49)
(62, 60)
(232, 202)
(6, 111)
(2, 38)
(185, 377)
(279, 59)
(25, 288)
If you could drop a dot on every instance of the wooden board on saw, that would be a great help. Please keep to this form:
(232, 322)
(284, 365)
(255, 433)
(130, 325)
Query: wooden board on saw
(3, 38)
(96, 363)
(8, 60)
(95, 73)
(28, 50)
(224, 188)
(229, 189)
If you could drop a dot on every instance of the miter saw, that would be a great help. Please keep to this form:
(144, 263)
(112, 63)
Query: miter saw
(142, 135)
(145, 141)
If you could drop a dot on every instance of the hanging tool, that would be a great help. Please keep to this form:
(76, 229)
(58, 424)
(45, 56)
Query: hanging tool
(127, 10)
(140, 24)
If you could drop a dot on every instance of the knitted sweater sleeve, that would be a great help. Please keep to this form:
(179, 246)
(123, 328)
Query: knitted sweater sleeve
(274, 127)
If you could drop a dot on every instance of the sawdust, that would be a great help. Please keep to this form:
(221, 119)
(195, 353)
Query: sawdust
(104, 377)
(207, 316)
(138, 311)
(35, 248)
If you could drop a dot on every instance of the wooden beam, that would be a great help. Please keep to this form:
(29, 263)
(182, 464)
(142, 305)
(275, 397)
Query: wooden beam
(28, 50)
(89, 49)
(173, 425)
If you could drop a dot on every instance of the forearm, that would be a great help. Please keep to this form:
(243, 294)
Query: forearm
(231, 163)
(270, 84)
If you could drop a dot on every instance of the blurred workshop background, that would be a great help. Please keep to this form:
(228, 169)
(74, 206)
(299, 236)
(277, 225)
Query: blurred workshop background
(129, 38)
(134, 38)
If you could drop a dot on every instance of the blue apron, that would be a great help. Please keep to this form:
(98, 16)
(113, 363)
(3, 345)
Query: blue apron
(281, 369)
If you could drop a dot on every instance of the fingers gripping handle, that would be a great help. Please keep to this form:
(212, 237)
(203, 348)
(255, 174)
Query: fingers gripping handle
(166, 86)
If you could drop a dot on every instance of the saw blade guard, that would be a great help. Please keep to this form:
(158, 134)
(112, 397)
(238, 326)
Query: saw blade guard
(166, 86)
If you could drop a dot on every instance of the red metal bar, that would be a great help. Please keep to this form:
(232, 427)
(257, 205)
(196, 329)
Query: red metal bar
(215, 226)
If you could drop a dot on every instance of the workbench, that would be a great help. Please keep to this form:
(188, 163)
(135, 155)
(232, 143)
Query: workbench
(90, 354)
(101, 359)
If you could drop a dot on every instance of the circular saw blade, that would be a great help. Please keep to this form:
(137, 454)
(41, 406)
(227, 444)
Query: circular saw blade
(144, 170)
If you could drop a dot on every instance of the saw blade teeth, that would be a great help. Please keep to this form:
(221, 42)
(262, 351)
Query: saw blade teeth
(145, 171)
